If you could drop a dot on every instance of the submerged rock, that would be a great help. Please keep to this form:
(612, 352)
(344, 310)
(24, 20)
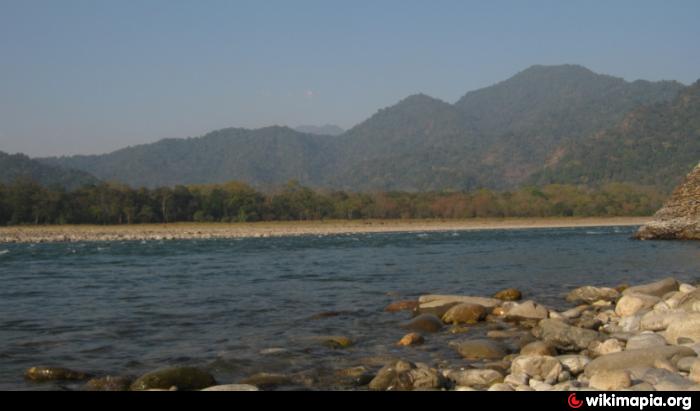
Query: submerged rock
(232, 387)
(480, 349)
(438, 304)
(267, 380)
(411, 339)
(679, 218)
(405, 305)
(424, 323)
(184, 378)
(39, 374)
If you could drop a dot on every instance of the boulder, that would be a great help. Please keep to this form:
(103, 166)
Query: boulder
(480, 349)
(683, 329)
(645, 340)
(632, 303)
(626, 360)
(501, 387)
(611, 380)
(403, 375)
(541, 367)
(466, 313)
(690, 302)
(695, 371)
(656, 289)
(476, 378)
(509, 294)
(184, 378)
(428, 323)
(589, 294)
(564, 336)
(527, 310)
(660, 320)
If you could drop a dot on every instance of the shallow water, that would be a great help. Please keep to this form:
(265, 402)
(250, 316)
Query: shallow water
(241, 306)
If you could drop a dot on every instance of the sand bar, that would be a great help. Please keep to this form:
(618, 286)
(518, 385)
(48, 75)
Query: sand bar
(182, 231)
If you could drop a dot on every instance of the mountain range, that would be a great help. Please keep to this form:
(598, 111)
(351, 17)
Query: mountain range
(563, 124)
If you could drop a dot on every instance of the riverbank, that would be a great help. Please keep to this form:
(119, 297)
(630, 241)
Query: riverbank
(185, 231)
(639, 338)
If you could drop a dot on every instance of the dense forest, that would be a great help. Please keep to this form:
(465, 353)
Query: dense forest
(26, 202)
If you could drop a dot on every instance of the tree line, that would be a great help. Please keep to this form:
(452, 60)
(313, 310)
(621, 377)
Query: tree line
(27, 202)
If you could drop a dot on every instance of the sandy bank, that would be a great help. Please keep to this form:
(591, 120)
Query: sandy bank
(72, 233)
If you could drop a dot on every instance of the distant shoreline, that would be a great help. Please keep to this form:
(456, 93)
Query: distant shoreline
(186, 231)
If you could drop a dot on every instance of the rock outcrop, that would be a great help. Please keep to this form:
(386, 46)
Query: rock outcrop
(679, 218)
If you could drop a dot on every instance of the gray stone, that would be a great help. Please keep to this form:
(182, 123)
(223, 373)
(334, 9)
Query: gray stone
(564, 336)
(657, 288)
(541, 367)
(589, 294)
(645, 340)
(636, 358)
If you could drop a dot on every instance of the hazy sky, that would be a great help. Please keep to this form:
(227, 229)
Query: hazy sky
(92, 76)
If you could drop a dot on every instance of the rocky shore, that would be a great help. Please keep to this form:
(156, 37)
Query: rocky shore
(679, 218)
(194, 231)
(644, 337)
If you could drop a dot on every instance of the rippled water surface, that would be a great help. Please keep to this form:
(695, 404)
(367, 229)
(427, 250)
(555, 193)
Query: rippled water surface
(237, 307)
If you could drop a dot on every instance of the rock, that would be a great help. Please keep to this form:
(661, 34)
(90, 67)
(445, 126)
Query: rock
(476, 378)
(660, 379)
(516, 379)
(665, 364)
(509, 294)
(684, 328)
(439, 304)
(574, 312)
(335, 341)
(266, 380)
(573, 363)
(632, 303)
(686, 288)
(404, 375)
(645, 340)
(480, 349)
(695, 371)
(686, 363)
(405, 305)
(588, 294)
(501, 387)
(538, 348)
(564, 336)
(630, 324)
(609, 346)
(411, 339)
(424, 323)
(656, 289)
(232, 387)
(357, 376)
(540, 386)
(611, 380)
(39, 374)
(108, 383)
(626, 360)
(527, 310)
(657, 321)
(679, 218)
(464, 313)
(184, 378)
(524, 388)
(541, 367)
(689, 302)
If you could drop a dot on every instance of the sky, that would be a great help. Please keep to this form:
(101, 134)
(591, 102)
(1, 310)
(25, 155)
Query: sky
(92, 76)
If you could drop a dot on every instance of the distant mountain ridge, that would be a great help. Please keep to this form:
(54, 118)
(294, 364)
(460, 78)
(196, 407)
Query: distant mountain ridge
(325, 130)
(500, 137)
(19, 166)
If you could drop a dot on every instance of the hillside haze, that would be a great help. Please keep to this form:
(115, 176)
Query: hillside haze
(499, 137)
